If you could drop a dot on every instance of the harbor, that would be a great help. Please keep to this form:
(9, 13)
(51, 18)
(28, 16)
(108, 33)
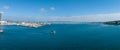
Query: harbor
(24, 24)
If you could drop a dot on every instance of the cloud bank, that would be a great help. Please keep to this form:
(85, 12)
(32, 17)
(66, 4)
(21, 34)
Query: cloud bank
(85, 18)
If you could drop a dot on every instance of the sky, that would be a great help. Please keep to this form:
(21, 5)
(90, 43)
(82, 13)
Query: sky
(60, 10)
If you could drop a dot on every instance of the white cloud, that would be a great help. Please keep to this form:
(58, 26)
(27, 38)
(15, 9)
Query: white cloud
(6, 7)
(85, 18)
(2, 12)
(42, 10)
(52, 8)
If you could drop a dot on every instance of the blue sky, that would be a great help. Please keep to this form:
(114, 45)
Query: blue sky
(58, 9)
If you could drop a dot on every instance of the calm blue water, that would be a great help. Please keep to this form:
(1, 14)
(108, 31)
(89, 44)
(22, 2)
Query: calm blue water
(68, 37)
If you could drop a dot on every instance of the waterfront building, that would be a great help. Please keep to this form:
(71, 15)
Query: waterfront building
(1, 30)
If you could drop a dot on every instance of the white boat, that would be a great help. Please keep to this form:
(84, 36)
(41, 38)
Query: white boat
(53, 32)
(1, 30)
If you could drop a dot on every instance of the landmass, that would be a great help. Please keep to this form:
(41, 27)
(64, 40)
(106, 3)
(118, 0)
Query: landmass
(26, 24)
(117, 22)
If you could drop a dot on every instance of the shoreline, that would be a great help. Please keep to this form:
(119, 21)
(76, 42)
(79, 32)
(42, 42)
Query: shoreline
(25, 24)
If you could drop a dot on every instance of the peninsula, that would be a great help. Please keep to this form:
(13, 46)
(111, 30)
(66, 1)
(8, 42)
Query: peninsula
(117, 22)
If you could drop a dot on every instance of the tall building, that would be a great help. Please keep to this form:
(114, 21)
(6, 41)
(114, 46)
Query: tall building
(1, 30)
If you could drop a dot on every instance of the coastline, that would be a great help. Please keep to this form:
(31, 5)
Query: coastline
(25, 24)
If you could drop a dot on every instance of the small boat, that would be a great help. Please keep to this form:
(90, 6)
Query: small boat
(1, 30)
(53, 32)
